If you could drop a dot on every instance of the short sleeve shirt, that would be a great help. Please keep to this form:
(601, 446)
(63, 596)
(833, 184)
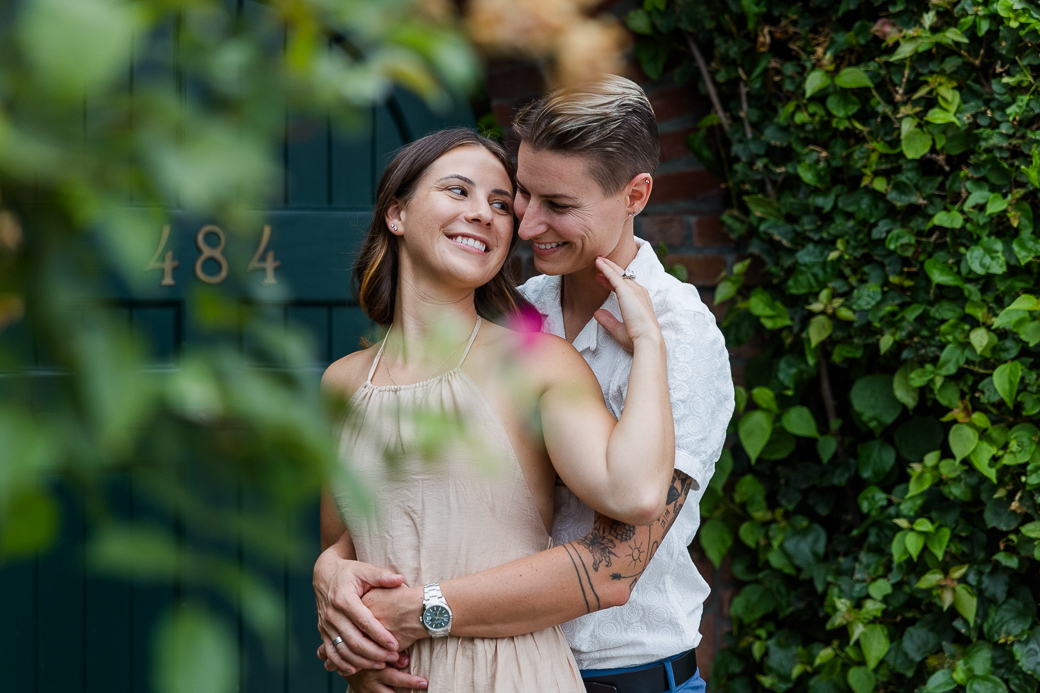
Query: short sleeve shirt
(662, 617)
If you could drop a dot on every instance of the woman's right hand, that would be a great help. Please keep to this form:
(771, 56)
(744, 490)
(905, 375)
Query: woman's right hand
(339, 585)
(640, 321)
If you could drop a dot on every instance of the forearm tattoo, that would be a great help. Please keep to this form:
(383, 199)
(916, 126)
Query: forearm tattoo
(626, 549)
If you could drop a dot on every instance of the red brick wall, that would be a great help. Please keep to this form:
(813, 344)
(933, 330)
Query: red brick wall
(684, 215)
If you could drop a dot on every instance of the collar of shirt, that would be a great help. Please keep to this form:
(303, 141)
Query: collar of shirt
(649, 272)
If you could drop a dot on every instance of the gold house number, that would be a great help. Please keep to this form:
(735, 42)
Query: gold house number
(208, 250)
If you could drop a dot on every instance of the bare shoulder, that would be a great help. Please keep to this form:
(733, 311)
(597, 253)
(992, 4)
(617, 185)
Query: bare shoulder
(345, 376)
(543, 359)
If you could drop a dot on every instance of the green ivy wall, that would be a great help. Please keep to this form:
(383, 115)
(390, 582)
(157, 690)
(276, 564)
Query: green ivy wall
(881, 504)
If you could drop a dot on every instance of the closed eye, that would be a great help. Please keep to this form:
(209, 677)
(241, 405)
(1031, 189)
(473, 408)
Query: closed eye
(557, 207)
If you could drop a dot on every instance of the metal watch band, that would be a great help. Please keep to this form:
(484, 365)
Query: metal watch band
(432, 597)
(431, 592)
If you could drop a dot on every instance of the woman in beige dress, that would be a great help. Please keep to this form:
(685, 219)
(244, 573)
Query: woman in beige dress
(460, 446)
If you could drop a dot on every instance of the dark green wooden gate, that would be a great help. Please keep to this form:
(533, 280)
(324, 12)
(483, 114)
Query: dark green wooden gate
(63, 630)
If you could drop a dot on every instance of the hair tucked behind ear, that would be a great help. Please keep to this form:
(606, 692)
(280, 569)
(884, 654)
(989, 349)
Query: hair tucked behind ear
(376, 264)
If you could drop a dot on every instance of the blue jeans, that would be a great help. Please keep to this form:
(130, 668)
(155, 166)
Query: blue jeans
(695, 684)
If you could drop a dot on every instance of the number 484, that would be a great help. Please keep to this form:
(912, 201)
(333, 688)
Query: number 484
(165, 263)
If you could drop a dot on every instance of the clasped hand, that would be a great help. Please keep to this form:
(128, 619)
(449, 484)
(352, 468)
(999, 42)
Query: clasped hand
(351, 596)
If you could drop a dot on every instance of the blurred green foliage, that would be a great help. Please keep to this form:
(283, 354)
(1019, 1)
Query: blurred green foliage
(88, 168)
(883, 506)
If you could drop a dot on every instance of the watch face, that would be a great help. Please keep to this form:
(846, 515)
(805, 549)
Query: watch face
(436, 617)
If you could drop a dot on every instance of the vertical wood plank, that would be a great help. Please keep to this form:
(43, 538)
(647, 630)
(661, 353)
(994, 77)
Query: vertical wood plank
(306, 673)
(149, 600)
(108, 608)
(263, 661)
(307, 163)
(352, 166)
(60, 632)
(315, 321)
(390, 133)
(18, 634)
(349, 324)
(159, 326)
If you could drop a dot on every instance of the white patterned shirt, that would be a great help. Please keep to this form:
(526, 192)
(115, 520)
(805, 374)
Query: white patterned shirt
(662, 617)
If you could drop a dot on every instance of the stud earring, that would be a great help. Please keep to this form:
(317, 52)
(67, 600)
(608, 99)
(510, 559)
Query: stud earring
(393, 227)
(647, 181)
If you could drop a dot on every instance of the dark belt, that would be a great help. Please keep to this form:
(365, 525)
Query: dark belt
(653, 679)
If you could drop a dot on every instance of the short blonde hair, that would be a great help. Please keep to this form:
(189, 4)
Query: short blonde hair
(610, 121)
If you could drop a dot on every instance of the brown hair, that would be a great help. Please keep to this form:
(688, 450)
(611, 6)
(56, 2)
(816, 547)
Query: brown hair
(376, 265)
(610, 121)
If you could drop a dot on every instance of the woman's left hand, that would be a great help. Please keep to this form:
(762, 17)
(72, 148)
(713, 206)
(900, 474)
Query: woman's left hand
(637, 311)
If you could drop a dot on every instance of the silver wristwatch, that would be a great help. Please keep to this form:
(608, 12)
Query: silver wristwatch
(436, 615)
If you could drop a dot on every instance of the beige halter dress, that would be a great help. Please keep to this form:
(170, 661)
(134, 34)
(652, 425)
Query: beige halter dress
(466, 510)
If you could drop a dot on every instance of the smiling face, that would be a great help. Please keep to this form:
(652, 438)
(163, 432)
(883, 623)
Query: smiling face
(456, 229)
(565, 213)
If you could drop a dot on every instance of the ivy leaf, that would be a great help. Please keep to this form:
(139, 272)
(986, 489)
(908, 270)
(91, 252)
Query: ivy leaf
(942, 272)
(981, 456)
(853, 78)
(986, 684)
(963, 439)
(799, 421)
(765, 399)
(820, 327)
(1026, 247)
(826, 446)
(875, 644)
(843, 104)
(753, 602)
(1006, 379)
(817, 80)
(1027, 653)
(937, 541)
(754, 430)
(763, 206)
(980, 339)
(861, 680)
(940, 682)
(996, 203)
(906, 49)
(914, 544)
(873, 399)
(639, 22)
(901, 387)
(879, 589)
(948, 219)
(915, 143)
(966, 603)
(715, 538)
(772, 313)
(940, 116)
(876, 457)
(987, 257)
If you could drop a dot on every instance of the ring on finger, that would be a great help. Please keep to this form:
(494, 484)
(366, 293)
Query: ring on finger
(337, 642)
(628, 274)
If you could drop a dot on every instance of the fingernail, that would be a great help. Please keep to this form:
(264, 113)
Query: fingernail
(391, 645)
(423, 684)
(379, 665)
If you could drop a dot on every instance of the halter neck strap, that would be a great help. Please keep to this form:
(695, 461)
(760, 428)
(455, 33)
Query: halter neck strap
(382, 345)
(469, 344)
(379, 355)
